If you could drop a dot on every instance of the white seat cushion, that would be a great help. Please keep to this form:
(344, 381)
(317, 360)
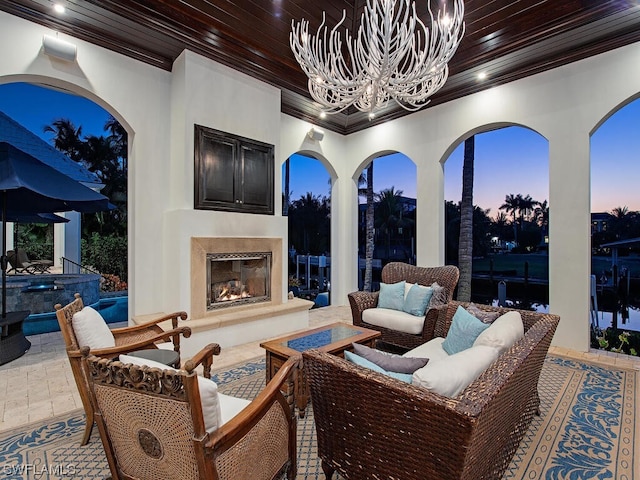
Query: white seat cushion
(393, 320)
(503, 333)
(91, 330)
(450, 376)
(230, 406)
(212, 413)
(432, 350)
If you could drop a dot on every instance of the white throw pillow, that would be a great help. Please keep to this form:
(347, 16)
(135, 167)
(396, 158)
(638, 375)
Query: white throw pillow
(450, 376)
(432, 350)
(91, 330)
(503, 333)
(211, 410)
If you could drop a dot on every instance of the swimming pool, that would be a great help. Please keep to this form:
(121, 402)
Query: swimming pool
(112, 309)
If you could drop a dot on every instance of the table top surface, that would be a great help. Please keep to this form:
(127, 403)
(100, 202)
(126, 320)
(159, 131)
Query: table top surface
(332, 338)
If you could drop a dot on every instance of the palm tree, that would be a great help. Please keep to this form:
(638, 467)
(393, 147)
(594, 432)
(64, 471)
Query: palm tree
(511, 205)
(526, 206)
(119, 140)
(390, 214)
(369, 243)
(541, 214)
(66, 138)
(287, 195)
(465, 244)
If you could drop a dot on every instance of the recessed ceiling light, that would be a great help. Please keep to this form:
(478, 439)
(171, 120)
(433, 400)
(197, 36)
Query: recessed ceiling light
(372, 116)
(323, 115)
(58, 7)
(482, 75)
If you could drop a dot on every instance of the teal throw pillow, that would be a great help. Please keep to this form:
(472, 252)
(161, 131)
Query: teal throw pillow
(391, 295)
(464, 330)
(417, 300)
(363, 362)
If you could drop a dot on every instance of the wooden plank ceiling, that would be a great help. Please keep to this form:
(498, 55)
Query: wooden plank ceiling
(508, 39)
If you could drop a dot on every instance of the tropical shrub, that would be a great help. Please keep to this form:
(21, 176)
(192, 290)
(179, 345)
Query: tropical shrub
(107, 254)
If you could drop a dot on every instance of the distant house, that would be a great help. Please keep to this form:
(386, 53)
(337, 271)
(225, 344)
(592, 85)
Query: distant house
(600, 222)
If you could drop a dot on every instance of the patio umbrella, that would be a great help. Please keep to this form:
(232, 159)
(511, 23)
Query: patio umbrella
(30, 187)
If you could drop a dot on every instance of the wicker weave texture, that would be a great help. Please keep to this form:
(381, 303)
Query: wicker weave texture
(372, 426)
(128, 338)
(128, 413)
(262, 453)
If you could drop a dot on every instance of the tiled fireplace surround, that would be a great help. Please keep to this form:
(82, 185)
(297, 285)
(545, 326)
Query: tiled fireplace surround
(239, 324)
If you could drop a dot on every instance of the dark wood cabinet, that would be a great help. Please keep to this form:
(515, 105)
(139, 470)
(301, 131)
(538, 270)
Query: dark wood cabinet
(232, 173)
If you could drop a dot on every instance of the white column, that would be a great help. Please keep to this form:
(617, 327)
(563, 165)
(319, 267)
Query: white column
(430, 226)
(72, 231)
(569, 234)
(58, 242)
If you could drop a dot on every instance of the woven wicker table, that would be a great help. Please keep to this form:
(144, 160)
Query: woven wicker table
(334, 339)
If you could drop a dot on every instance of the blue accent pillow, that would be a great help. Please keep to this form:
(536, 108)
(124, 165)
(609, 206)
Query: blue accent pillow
(391, 295)
(363, 362)
(417, 300)
(464, 330)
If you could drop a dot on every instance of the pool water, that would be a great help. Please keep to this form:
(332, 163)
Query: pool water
(113, 310)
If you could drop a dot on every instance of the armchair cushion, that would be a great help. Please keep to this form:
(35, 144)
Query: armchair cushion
(389, 361)
(91, 330)
(363, 362)
(230, 407)
(503, 333)
(394, 320)
(417, 300)
(451, 375)
(464, 330)
(209, 398)
(391, 295)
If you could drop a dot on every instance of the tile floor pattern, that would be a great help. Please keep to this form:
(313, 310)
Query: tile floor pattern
(40, 385)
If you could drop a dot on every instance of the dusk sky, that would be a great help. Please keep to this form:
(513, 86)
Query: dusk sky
(510, 160)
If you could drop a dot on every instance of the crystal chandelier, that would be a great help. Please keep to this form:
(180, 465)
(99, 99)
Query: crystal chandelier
(394, 55)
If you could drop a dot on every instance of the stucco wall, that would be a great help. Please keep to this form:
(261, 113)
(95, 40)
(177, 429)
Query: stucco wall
(159, 108)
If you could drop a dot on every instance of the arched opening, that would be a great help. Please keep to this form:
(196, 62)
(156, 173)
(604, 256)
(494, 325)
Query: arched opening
(83, 140)
(306, 202)
(509, 238)
(387, 210)
(615, 232)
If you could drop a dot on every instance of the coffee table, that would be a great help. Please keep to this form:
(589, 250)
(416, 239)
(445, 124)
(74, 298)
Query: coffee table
(334, 339)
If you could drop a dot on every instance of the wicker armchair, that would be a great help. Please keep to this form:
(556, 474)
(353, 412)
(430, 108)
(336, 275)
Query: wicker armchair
(370, 425)
(446, 276)
(128, 339)
(151, 424)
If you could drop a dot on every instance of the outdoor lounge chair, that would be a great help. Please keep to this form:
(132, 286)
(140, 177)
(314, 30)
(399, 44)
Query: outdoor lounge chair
(20, 263)
(393, 327)
(126, 339)
(161, 423)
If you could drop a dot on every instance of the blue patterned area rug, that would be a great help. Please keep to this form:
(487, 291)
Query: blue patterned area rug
(587, 430)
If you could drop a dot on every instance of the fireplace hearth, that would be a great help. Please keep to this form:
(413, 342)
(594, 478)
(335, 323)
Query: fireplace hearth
(238, 278)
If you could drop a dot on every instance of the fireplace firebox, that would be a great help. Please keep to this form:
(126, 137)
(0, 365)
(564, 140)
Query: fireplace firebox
(238, 278)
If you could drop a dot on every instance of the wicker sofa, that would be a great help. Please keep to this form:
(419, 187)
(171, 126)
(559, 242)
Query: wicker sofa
(370, 425)
(446, 276)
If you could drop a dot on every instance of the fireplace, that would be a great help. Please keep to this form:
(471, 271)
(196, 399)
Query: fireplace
(235, 264)
(238, 279)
